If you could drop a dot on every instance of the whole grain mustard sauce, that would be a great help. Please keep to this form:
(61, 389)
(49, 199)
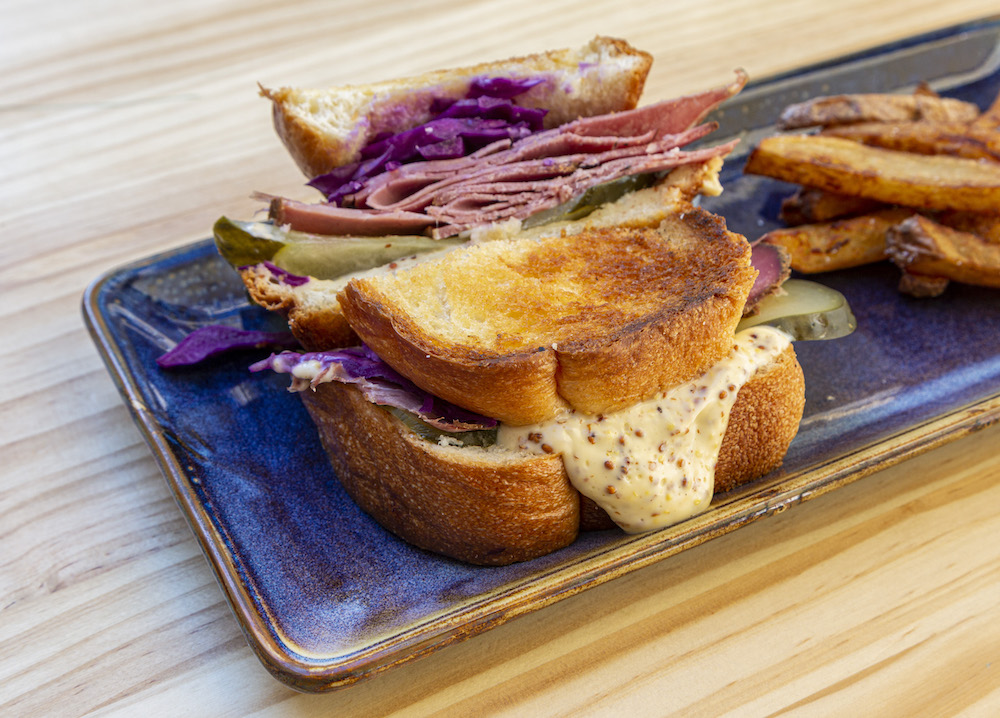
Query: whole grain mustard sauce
(653, 464)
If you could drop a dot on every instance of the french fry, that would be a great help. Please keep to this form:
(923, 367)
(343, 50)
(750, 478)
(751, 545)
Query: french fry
(809, 205)
(958, 139)
(990, 119)
(921, 246)
(840, 244)
(838, 165)
(983, 225)
(845, 109)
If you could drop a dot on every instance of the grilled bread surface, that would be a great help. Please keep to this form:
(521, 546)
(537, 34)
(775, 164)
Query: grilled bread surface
(518, 329)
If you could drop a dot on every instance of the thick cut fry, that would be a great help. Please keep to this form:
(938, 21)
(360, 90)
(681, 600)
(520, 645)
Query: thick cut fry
(838, 165)
(841, 244)
(958, 139)
(984, 225)
(990, 119)
(921, 246)
(809, 205)
(845, 109)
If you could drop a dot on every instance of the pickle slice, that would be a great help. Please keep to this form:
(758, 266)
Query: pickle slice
(314, 255)
(345, 255)
(243, 243)
(478, 437)
(589, 200)
(806, 310)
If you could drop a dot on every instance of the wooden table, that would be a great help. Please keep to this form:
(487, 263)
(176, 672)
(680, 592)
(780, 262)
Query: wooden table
(127, 128)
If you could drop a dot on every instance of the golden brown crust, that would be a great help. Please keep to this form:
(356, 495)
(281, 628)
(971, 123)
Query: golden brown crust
(320, 331)
(311, 150)
(266, 290)
(519, 385)
(490, 509)
(707, 283)
(598, 320)
(499, 507)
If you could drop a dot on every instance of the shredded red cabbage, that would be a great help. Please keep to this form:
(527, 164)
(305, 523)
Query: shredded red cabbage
(282, 275)
(214, 339)
(494, 108)
(459, 128)
(503, 87)
(378, 382)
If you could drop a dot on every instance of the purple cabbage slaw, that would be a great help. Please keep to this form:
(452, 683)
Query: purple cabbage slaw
(378, 382)
(208, 341)
(460, 127)
(281, 275)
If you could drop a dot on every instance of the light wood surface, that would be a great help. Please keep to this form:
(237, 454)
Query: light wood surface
(127, 128)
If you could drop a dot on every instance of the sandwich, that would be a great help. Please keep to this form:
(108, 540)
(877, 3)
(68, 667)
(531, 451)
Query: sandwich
(529, 329)
(424, 164)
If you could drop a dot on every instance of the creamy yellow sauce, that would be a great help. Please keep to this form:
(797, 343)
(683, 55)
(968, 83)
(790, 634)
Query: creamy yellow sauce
(653, 464)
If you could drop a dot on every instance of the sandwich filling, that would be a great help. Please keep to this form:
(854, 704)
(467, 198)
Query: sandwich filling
(489, 161)
(653, 464)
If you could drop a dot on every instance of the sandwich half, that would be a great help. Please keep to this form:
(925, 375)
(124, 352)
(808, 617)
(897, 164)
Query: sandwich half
(567, 382)
(417, 166)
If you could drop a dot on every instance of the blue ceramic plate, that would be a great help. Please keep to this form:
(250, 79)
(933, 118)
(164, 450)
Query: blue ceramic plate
(326, 597)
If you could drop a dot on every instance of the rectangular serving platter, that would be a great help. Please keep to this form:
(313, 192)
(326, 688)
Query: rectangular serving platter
(326, 597)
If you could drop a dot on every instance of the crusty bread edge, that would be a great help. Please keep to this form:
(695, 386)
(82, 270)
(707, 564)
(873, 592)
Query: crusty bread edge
(316, 323)
(469, 504)
(483, 508)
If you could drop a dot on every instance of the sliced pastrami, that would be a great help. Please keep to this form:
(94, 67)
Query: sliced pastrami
(666, 117)
(457, 215)
(415, 187)
(345, 221)
(513, 177)
(773, 266)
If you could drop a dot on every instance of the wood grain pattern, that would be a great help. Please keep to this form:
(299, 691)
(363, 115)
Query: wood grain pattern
(127, 128)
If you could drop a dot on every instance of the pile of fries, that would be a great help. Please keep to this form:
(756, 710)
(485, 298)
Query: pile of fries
(914, 179)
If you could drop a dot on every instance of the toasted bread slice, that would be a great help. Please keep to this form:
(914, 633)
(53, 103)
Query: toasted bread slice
(313, 312)
(495, 506)
(311, 309)
(517, 329)
(326, 128)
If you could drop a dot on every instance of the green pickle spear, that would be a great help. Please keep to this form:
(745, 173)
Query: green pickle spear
(243, 243)
(314, 255)
(585, 203)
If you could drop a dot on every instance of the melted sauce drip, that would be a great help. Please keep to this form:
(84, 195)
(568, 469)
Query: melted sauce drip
(653, 464)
